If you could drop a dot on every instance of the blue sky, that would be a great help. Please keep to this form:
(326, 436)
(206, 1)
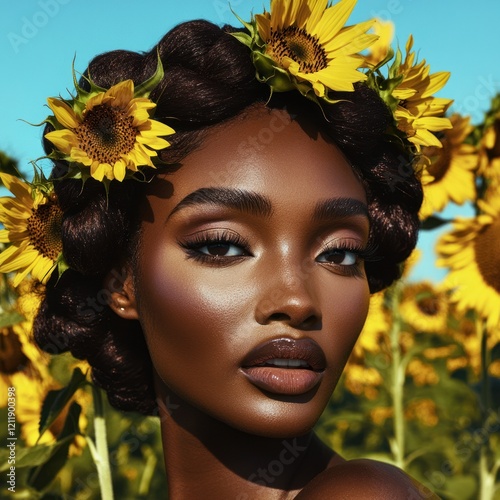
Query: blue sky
(39, 38)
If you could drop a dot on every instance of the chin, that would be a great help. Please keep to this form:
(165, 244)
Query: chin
(281, 416)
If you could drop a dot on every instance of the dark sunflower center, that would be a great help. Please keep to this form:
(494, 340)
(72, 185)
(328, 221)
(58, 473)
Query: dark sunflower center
(486, 247)
(429, 306)
(44, 228)
(495, 151)
(12, 358)
(298, 45)
(106, 133)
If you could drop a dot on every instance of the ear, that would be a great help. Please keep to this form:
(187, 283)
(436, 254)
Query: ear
(120, 284)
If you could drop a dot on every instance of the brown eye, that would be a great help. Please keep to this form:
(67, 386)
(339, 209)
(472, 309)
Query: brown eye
(221, 249)
(338, 257)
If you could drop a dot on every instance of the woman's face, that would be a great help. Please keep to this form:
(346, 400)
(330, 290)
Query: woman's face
(250, 284)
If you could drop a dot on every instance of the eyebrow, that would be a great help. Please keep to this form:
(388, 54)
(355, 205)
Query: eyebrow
(238, 199)
(339, 208)
(260, 205)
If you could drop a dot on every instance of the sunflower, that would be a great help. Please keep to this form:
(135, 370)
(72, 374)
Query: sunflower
(465, 333)
(489, 157)
(471, 252)
(304, 45)
(422, 373)
(375, 329)
(423, 411)
(452, 169)
(32, 222)
(362, 380)
(418, 114)
(424, 307)
(110, 132)
(381, 48)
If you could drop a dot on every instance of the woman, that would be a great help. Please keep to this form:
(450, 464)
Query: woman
(237, 279)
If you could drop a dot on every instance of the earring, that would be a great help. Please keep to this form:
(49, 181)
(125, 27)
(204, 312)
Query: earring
(122, 309)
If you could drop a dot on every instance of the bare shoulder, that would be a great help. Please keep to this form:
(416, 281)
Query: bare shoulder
(364, 479)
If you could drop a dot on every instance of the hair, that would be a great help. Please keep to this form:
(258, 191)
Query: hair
(209, 79)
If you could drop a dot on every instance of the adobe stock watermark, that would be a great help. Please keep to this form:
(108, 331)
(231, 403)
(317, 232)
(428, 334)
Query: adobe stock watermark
(464, 449)
(223, 9)
(278, 121)
(31, 25)
(265, 476)
(392, 9)
(473, 104)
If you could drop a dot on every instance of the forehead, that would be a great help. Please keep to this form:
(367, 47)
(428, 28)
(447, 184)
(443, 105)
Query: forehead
(267, 152)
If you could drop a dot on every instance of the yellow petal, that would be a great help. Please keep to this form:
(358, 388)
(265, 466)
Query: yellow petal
(97, 170)
(17, 187)
(348, 35)
(154, 127)
(333, 20)
(63, 140)
(97, 100)
(119, 170)
(263, 26)
(317, 7)
(13, 258)
(80, 156)
(63, 113)
(278, 11)
(122, 92)
(437, 82)
(42, 269)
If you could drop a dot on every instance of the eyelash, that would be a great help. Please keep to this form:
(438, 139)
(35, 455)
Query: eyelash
(193, 245)
(361, 254)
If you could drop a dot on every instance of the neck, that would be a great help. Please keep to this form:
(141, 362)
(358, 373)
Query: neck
(205, 458)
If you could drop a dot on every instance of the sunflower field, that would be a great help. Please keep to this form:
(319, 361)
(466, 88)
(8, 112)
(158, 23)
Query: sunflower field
(421, 389)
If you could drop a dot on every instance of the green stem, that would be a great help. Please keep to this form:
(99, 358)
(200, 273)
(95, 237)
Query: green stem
(486, 476)
(487, 479)
(397, 378)
(100, 452)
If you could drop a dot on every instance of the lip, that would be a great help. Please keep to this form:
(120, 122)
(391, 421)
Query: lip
(286, 381)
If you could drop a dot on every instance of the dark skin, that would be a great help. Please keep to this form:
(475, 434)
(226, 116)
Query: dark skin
(219, 278)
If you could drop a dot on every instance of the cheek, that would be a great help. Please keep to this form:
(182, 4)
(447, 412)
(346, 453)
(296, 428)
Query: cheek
(190, 315)
(345, 319)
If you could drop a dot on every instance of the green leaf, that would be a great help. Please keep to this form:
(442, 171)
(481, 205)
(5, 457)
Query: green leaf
(10, 318)
(31, 457)
(56, 400)
(464, 487)
(433, 222)
(145, 88)
(44, 474)
(8, 165)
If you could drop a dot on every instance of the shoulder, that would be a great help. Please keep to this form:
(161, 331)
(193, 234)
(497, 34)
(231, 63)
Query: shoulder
(364, 479)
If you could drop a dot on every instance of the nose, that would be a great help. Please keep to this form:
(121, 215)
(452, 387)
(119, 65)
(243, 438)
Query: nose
(290, 300)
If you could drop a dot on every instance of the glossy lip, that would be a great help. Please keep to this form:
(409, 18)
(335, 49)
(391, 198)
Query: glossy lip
(285, 381)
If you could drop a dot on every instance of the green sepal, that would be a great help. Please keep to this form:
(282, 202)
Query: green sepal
(244, 38)
(249, 26)
(61, 264)
(146, 87)
(267, 72)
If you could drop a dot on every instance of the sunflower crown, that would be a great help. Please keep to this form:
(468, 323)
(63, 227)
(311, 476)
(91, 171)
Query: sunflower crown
(299, 45)
(107, 134)
(305, 46)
